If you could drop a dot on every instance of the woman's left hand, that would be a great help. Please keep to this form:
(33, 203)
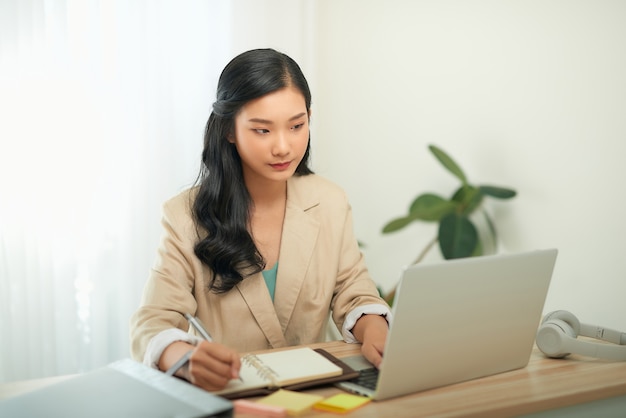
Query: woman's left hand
(372, 330)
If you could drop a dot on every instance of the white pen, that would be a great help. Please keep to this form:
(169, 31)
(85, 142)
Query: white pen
(180, 363)
(198, 326)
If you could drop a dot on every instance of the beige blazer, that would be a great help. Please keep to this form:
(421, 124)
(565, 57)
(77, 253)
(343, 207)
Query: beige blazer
(320, 270)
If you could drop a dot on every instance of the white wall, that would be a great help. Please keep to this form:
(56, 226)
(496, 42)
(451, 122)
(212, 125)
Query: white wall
(525, 94)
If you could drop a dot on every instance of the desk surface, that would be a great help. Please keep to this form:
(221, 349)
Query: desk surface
(544, 384)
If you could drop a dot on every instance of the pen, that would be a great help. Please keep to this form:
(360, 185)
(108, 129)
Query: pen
(195, 322)
(198, 326)
(185, 359)
(180, 363)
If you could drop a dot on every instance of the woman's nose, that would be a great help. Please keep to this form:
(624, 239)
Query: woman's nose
(281, 144)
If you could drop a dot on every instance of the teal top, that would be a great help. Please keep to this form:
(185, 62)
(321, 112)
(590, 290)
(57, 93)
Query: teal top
(270, 279)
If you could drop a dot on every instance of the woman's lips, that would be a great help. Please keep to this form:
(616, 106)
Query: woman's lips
(281, 166)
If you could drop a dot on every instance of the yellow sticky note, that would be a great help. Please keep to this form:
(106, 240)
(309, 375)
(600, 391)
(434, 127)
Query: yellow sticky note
(294, 402)
(341, 403)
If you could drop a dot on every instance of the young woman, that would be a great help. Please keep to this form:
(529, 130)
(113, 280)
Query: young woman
(261, 250)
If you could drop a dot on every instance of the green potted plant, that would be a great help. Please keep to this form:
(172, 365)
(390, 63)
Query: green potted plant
(457, 234)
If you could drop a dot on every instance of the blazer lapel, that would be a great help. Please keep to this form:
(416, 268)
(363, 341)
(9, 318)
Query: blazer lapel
(297, 244)
(254, 291)
(299, 236)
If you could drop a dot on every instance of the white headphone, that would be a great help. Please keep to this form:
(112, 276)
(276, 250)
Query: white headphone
(557, 338)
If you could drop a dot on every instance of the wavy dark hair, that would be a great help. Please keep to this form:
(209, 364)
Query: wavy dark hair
(221, 208)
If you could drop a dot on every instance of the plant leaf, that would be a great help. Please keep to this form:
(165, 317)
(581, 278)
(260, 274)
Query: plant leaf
(469, 198)
(430, 207)
(397, 224)
(448, 163)
(498, 192)
(478, 251)
(458, 236)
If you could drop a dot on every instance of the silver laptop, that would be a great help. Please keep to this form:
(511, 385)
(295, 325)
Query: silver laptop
(460, 320)
(123, 389)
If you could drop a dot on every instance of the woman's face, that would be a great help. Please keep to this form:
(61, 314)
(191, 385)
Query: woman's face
(271, 135)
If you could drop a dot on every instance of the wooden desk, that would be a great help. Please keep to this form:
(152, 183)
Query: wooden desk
(544, 384)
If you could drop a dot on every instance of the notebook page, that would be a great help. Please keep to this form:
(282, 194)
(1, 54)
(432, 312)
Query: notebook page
(298, 365)
(281, 368)
(250, 379)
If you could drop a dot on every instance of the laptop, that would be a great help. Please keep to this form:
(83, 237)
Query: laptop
(123, 389)
(459, 320)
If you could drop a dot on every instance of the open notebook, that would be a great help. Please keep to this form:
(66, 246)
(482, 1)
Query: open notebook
(293, 369)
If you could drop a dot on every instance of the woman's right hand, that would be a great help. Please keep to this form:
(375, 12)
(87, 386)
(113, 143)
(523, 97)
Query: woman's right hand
(211, 365)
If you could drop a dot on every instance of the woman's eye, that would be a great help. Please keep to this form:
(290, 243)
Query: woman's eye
(261, 131)
(298, 126)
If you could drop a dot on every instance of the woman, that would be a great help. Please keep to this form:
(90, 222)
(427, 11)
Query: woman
(262, 249)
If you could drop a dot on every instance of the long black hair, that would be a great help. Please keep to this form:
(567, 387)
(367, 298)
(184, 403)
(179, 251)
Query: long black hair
(221, 208)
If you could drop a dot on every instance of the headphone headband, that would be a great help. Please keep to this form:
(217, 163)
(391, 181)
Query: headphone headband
(601, 333)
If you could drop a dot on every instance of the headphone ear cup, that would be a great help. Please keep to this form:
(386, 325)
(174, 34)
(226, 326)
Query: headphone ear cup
(552, 336)
(566, 317)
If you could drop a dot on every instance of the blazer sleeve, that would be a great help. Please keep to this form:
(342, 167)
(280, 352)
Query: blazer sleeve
(168, 292)
(354, 285)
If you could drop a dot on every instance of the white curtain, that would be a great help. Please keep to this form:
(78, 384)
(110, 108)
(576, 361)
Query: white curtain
(102, 110)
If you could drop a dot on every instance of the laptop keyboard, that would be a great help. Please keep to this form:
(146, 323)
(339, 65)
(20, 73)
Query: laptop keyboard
(367, 378)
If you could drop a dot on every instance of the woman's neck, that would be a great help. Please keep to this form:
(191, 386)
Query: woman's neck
(267, 193)
(267, 215)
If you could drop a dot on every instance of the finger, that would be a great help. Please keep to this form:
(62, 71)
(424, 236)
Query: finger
(211, 365)
(210, 383)
(218, 351)
(235, 365)
(227, 356)
(372, 354)
(209, 375)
